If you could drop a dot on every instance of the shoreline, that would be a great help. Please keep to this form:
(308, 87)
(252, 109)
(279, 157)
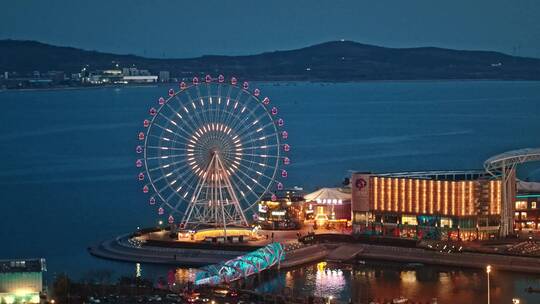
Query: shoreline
(120, 249)
(285, 82)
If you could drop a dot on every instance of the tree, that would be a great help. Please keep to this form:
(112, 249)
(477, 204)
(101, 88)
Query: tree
(61, 288)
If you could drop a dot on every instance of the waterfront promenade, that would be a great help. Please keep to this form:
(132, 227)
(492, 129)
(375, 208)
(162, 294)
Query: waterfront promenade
(348, 252)
(298, 254)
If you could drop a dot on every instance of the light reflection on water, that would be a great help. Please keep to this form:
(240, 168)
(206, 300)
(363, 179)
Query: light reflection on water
(384, 282)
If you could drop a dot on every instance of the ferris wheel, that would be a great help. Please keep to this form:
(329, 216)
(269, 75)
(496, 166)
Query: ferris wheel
(211, 150)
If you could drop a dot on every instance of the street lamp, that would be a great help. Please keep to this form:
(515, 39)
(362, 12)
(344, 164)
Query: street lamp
(488, 270)
(515, 301)
(330, 298)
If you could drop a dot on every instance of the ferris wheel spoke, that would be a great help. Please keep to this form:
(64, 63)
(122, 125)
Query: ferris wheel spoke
(170, 131)
(165, 148)
(259, 129)
(240, 123)
(250, 188)
(262, 147)
(193, 103)
(247, 124)
(164, 139)
(257, 173)
(233, 103)
(175, 170)
(174, 123)
(166, 156)
(262, 155)
(259, 138)
(179, 115)
(203, 103)
(189, 114)
(259, 164)
(221, 103)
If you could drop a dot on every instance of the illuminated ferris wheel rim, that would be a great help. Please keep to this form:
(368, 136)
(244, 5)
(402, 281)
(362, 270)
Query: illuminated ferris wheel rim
(233, 141)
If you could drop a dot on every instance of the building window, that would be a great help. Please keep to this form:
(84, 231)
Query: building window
(533, 205)
(446, 222)
(409, 220)
(521, 205)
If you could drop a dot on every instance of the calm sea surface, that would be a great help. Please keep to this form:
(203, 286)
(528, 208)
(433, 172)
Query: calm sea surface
(68, 180)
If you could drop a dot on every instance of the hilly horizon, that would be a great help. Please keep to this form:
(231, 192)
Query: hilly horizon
(328, 61)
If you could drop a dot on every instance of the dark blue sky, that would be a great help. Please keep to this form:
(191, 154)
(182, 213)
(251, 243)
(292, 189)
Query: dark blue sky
(184, 29)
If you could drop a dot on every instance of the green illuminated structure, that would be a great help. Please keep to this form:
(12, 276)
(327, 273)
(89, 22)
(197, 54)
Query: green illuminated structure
(242, 266)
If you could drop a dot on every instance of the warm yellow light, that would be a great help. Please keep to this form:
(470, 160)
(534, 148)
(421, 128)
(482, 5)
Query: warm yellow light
(488, 268)
(375, 197)
(22, 292)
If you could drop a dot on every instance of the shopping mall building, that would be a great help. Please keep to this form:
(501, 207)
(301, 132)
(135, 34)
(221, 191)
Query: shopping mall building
(458, 205)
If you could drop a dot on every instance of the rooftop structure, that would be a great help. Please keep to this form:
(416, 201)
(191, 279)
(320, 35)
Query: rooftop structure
(21, 281)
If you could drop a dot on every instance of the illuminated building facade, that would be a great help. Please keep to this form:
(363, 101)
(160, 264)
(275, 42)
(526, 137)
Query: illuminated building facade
(21, 281)
(464, 205)
(282, 212)
(527, 212)
(330, 207)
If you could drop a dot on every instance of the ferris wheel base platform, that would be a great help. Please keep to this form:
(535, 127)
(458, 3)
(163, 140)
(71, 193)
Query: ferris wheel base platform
(193, 254)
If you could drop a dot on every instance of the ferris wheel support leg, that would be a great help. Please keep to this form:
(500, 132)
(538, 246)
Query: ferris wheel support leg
(193, 204)
(236, 203)
(508, 194)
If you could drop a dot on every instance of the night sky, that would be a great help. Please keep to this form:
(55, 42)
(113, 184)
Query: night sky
(185, 29)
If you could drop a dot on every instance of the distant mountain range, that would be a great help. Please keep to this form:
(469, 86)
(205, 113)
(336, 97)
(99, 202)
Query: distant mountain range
(329, 61)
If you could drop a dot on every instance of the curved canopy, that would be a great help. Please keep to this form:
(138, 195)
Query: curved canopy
(512, 158)
(528, 186)
(328, 194)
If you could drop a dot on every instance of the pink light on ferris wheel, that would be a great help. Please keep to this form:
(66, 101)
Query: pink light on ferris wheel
(139, 149)
(152, 201)
(171, 93)
(274, 197)
(195, 80)
(138, 163)
(153, 111)
(170, 219)
(161, 100)
(274, 111)
(257, 92)
(286, 161)
(284, 173)
(286, 148)
(279, 186)
(160, 211)
(221, 78)
(208, 78)
(141, 136)
(183, 85)
(280, 122)
(146, 123)
(245, 85)
(145, 189)
(266, 101)
(141, 176)
(234, 81)
(284, 135)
